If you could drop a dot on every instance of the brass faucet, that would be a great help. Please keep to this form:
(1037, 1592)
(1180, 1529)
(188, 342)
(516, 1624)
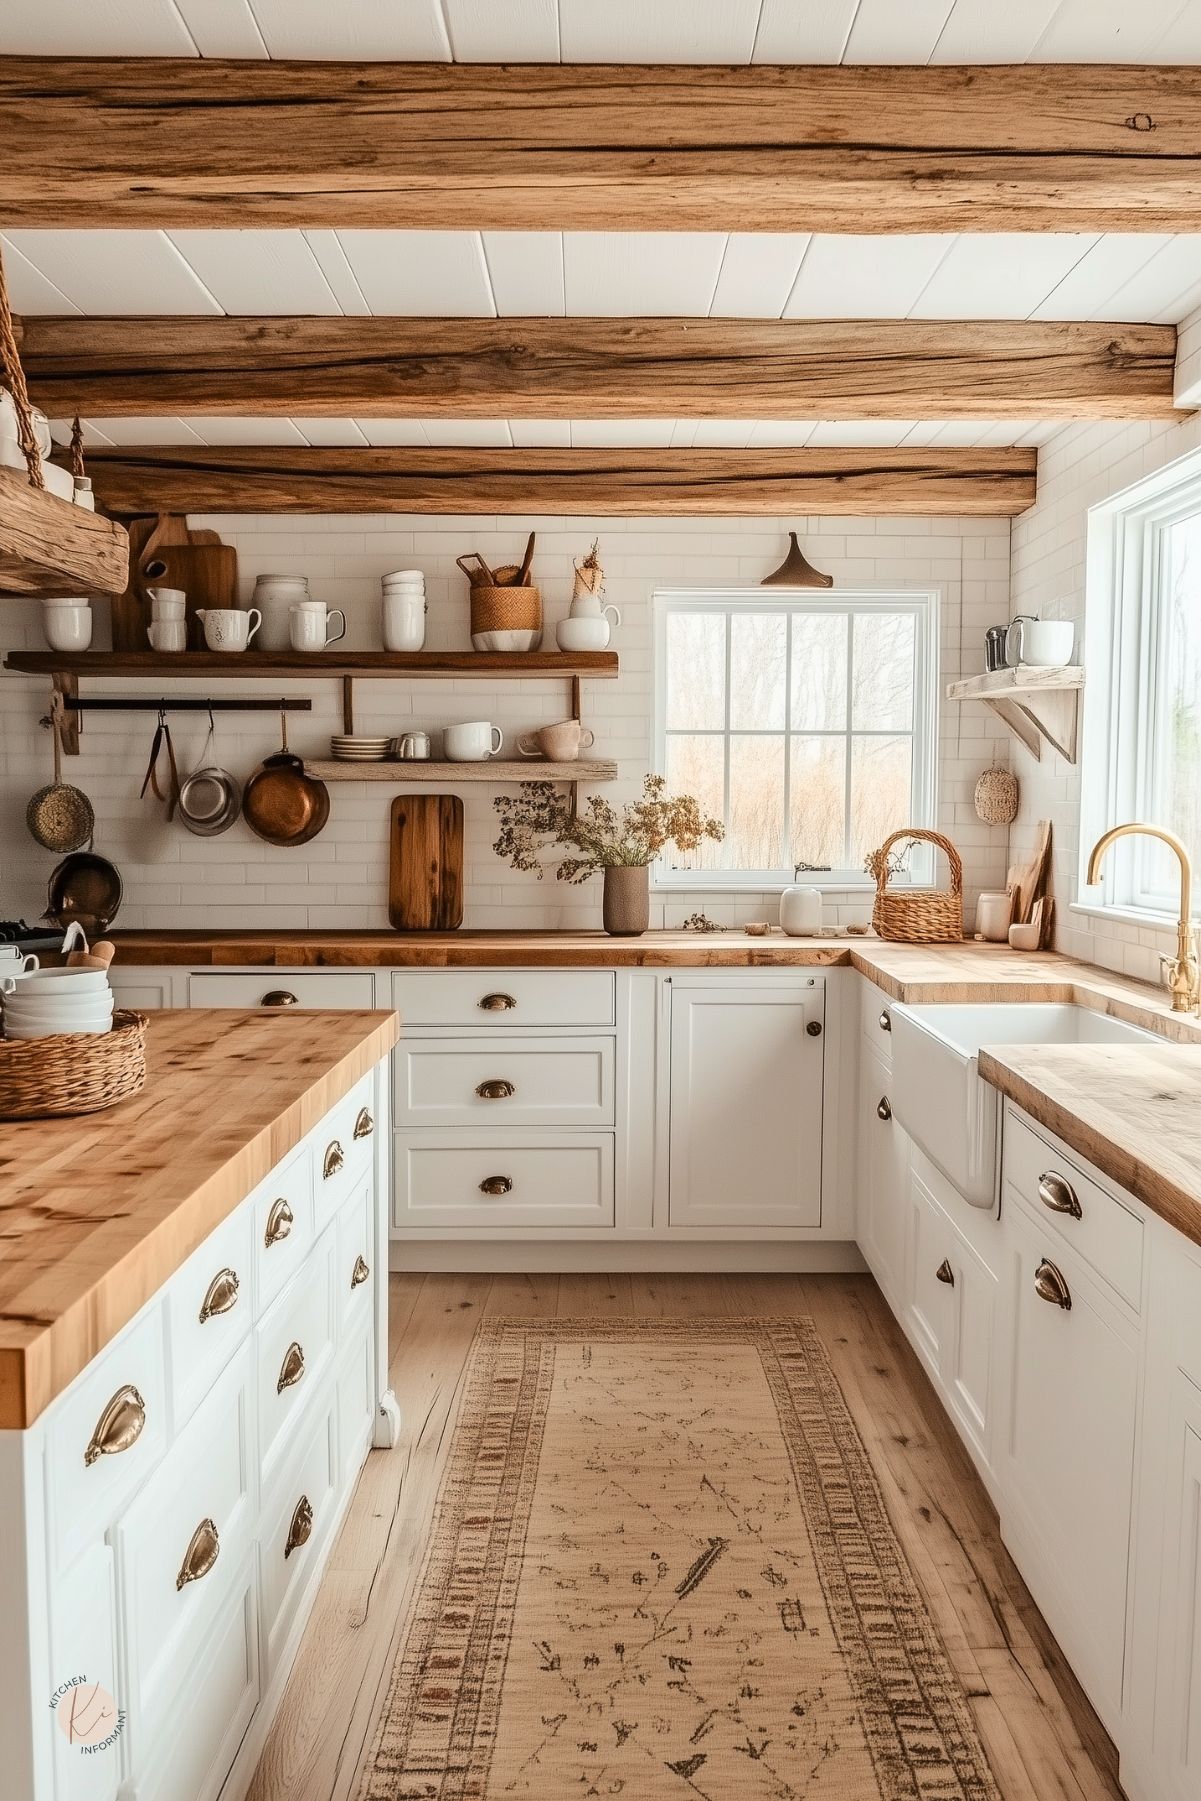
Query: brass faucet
(1184, 979)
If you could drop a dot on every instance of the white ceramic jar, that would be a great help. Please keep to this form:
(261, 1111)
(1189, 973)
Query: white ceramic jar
(800, 911)
(403, 619)
(994, 911)
(67, 624)
(274, 596)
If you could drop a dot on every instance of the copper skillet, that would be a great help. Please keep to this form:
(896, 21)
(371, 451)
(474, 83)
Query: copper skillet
(281, 801)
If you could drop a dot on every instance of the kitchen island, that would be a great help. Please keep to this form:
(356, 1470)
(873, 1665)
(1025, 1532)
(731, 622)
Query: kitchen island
(193, 1365)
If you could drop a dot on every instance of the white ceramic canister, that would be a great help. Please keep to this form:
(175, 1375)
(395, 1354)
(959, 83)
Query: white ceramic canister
(994, 911)
(67, 624)
(274, 596)
(403, 620)
(800, 911)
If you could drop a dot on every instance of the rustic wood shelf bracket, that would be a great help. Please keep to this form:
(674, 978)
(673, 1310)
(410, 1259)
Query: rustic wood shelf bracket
(1038, 706)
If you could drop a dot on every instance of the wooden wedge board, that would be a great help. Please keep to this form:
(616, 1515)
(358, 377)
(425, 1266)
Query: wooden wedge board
(425, 863)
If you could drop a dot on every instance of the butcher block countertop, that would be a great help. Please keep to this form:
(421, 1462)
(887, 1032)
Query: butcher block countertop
(98, 1212)
(1133, 1110)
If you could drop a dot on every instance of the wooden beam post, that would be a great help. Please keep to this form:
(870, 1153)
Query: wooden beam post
(151, 143)
(220, 479)
(599, 368)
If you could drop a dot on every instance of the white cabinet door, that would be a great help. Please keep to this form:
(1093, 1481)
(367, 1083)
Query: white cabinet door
(1178, 1671)
(746, 1105)
(882, 1166)
(1066, 1485)
(929, 1316)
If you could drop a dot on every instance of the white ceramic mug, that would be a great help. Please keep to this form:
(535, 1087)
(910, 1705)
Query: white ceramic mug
(309, 623)
(583, 633)
(14, 964)
(67, 624)
(414, 747)
(404, 620)
(474, 742)
(170, 635)
(167, 603)
(1046, 643)
(228, 628)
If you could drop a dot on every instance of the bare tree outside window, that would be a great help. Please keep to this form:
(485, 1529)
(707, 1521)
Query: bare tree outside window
(803, 724)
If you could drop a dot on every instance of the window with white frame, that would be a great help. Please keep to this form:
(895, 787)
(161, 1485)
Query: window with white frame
(804, 721)
(1142, 741)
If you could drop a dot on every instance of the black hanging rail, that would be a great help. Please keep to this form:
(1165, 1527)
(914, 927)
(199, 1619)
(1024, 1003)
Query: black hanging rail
(179, 703)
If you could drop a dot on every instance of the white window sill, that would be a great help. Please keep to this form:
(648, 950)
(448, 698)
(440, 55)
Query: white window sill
(804, 880)
(1133, 916)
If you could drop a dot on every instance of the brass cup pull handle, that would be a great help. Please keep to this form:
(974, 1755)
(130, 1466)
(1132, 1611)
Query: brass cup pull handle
(496, 1091)
(279, 997)
(221, 1295)
(1057, 1193)
(118, 1426)
(335, 1157)
(944, 1273)
(291, 1369)
(204, 1547)
(364, 1125)
(496, 1185)
(1049, 1285)
(885, 1021)
(883, 1107)
(498, 1003)
(280, 1221)
(301, 1527)
(360, 1272)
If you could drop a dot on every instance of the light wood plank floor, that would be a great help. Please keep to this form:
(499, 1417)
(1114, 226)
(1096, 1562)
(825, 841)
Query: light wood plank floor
(1044, 1740)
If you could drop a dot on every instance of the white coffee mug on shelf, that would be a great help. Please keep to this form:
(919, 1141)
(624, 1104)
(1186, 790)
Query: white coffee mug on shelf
(168, 636)
(67, 624)
(310, 625)
(228, 628)
(1045, 643)
(474, 742)
(167, 603)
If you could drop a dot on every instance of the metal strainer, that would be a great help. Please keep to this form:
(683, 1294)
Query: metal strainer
(60, 817)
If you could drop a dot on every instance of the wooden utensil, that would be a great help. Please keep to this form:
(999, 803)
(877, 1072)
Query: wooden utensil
(425, 863)
(523, 574)
(482, 575)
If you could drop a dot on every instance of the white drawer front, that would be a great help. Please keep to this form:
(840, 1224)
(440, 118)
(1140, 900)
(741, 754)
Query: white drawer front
(282, 1223)
(467, 1180)
(170, 1581)
(875, 1019)
(295, 1345)
(83, 1642)
(356, 1255)
(126, 1382)
(217, 1697)
(265, 988)
(476, 998)
(296, 1523)
(1104, 1232)
(343, 1149)
(511, 1082)
(209, 1311)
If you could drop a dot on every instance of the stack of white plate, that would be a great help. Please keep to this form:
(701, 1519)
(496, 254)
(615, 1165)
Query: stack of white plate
(49, 1001)
(351, 747)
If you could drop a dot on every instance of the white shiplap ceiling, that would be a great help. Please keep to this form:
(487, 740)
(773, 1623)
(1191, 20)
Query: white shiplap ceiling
(714, 31)
(766, 275)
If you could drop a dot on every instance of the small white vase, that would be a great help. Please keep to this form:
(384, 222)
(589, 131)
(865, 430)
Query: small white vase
(800, 911)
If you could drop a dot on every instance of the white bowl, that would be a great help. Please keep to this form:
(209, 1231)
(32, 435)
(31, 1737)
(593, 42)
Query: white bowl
(25, 1033)
(583, 634)
(59, 1012)
(56, 984)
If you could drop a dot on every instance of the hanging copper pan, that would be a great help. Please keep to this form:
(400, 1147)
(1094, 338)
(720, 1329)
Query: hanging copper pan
(281, 801)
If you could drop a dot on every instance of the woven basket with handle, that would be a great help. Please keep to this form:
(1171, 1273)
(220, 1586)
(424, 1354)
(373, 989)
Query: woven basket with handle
(505, 609)
(919, 915)
(73, 1072)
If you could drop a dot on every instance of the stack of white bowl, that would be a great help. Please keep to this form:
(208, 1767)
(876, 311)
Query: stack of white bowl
(405, 607)
(45, 1002)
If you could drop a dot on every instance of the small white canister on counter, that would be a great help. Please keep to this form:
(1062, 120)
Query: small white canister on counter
(994, 911)
(800, 911)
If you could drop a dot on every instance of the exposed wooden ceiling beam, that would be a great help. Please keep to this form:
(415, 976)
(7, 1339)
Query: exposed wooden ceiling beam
(1033, 147)
(903, 482)
(599, 368)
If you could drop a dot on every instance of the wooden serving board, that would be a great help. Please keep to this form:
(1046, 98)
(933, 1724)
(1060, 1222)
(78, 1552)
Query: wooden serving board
(425, 863)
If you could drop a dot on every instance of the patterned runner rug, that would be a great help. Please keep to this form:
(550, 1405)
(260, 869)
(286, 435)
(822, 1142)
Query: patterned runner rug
(661, 1569)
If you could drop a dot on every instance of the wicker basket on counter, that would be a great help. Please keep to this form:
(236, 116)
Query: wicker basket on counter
(919, 915)
(73, 1072)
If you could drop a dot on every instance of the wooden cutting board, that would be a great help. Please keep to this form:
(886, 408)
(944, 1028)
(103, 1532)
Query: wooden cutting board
(425, 863)
(197, 562)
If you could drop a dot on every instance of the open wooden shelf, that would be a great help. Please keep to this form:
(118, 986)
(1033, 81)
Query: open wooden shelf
(50, 547)
(401, 772)
(1037, 705)
(539, 665)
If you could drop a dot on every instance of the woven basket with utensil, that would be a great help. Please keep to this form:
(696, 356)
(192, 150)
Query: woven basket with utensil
(918, 915)
(73, 1072)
